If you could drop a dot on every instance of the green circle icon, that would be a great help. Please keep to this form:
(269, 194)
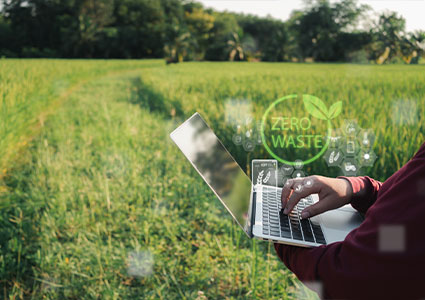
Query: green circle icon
(327, 116)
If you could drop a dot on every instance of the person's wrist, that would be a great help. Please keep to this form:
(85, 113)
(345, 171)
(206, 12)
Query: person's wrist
(348, 189)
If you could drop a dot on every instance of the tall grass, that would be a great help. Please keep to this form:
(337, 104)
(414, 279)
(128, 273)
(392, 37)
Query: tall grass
(373, 95)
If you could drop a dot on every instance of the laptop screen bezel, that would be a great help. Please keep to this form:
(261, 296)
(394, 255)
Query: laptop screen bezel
(249, 223)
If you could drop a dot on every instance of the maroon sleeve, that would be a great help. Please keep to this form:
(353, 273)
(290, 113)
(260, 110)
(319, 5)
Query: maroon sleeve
(365, 192)
(384, 257)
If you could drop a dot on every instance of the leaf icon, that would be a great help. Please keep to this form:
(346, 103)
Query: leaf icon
(335, 110)
(267, 177)
(260, 177)
(315, 107)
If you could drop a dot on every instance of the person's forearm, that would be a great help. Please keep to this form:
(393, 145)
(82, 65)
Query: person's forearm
(300, 261)
(365, 192)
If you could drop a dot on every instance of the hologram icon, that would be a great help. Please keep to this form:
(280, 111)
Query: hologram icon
(237, 139)
(367, 158)
(264, 172)
(308, 183)
(365, 140)
(298, 188)
(299, 164)
(298, 174)
(248, 145)
(334, 156)
(350, 127)
(350, 147)
(350, 167)
(287, 170)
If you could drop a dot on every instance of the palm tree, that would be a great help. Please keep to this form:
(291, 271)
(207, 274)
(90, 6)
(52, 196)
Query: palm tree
(418, 41)
(179, 47)
(412, 47)
(389, 33)
(235, 47)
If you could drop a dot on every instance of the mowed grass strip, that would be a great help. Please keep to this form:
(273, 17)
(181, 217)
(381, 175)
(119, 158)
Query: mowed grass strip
(30, 89)
(103, 206)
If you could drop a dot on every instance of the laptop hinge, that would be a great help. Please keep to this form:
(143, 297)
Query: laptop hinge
(253, 208)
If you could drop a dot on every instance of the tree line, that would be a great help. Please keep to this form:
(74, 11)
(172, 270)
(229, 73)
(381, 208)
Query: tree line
(182, 30)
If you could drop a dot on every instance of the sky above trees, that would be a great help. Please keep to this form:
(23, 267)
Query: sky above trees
(411, 10)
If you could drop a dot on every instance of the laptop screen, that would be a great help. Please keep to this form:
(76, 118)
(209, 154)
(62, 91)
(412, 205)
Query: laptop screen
(216, 166)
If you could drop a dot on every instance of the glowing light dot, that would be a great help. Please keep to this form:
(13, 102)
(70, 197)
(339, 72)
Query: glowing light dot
(309, 183)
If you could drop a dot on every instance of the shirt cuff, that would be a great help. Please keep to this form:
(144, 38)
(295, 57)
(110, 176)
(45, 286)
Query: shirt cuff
(357, 184)
(360, 197)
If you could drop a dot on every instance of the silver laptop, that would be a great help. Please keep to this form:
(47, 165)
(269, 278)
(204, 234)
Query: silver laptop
(257, 208)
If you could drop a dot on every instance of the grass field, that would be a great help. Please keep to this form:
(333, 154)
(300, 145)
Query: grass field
(97, 203)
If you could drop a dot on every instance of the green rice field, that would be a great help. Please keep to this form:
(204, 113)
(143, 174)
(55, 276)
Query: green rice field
(97, 202)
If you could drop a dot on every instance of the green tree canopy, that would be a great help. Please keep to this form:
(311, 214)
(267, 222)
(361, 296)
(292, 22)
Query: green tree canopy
(180, 30)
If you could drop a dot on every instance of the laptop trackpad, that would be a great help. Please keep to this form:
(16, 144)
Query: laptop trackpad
(337, 223)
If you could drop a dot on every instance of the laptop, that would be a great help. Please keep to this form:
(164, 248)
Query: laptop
(256, 208)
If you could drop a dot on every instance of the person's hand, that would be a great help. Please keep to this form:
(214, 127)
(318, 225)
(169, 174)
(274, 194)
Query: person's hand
(333, 193)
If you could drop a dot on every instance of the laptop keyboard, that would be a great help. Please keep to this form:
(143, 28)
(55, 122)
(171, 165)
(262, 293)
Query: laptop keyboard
(276, 223)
